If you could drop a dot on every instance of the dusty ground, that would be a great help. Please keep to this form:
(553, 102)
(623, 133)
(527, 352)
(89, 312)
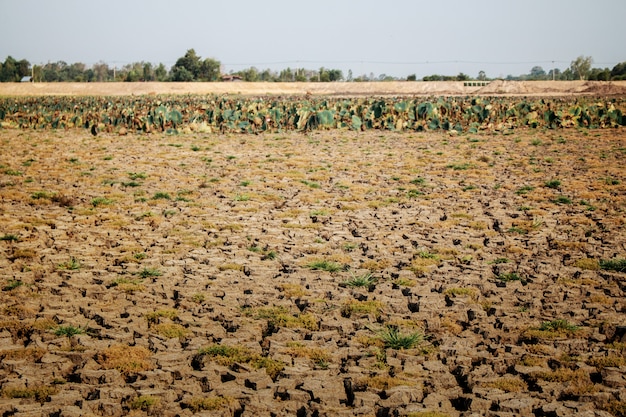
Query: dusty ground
(129, 264)
(396, 88)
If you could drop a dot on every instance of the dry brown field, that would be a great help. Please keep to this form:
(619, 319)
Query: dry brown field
(332, 273)
(394, 88)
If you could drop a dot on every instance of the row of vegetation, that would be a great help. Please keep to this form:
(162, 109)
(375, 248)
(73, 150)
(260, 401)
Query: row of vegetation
(192, 67)
(251, 115)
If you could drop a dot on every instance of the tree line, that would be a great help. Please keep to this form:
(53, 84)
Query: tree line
(191, 67)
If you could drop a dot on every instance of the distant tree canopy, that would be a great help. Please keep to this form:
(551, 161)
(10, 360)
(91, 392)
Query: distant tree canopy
(437, 77)
(191, 67)
(12, 70)
(581, 67)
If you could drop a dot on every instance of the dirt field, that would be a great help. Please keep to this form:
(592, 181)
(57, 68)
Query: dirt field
(325, 274)
(396, 88)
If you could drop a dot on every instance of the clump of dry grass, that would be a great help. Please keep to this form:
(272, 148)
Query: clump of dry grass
(587, 264)
(320, 356)
(228, 355)
(383, 382)
(39, 393)
(352, 307)
(126, 359)
(198, 404)
(292, 290)
(280, 316)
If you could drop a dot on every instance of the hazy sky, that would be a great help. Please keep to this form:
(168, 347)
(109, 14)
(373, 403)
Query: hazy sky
(394, 37)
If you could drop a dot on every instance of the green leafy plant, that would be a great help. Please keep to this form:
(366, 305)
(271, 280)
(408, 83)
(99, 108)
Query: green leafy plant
(364, 280)
(394, 339)
(10, 238)
(69, 331)
(618, 265)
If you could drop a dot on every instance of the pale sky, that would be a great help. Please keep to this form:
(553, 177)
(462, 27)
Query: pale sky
(394, 37)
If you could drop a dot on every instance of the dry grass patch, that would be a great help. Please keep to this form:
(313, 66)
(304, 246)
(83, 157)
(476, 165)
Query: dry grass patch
(198, 404)
(39, 393)
(280, 316)
(384, 382)
(607, 361)
(126, 359)
(29, 353)
(320, 356)
(147, 403)
(292, 290)
(587, 264)
(354, 307)
(228, 355)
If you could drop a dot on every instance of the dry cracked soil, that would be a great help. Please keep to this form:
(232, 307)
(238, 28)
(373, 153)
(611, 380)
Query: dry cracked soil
(333, 273)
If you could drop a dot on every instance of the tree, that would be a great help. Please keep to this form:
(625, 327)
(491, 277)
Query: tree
(209, 70)
(537, 73)
(581, 67)
(13, 70)
(335, 75)
(189, 62)
(482, 76)
(411, 77)
(181, 74)
(619, 71)
(160, 72)
(101, 71)
(599, 74)
(200, 70)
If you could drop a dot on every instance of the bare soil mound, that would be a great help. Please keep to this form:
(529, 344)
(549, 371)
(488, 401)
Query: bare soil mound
(395, 88)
